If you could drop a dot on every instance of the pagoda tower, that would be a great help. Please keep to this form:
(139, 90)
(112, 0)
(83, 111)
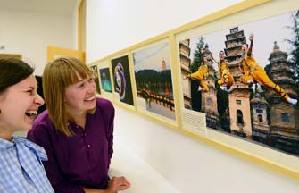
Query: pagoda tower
(165, 85)
(185, 62)
(163, 65)
(260, 122)
(209, 99)
(239, 97)
(284, 118)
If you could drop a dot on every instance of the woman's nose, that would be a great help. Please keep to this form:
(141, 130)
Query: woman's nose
(39, 100)
(92, 86)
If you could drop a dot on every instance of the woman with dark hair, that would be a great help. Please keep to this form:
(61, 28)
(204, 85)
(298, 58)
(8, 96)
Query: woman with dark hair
(21, 168)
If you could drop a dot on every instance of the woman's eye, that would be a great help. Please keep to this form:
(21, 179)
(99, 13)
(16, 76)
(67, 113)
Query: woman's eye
(91, 80)
(81, 85)
(30, 92)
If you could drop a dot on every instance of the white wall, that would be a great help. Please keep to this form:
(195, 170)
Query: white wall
(116, 24)
(189, 166)
(29, 34)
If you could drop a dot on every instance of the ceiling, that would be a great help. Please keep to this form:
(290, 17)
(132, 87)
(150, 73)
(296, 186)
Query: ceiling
(61, 7)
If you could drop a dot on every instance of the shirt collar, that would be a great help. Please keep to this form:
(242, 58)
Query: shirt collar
(21, 141)
(4, 144)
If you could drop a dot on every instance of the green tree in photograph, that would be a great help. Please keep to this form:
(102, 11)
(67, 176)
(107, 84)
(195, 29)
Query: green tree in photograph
(197, 60)
(295, 43)
(197, 55)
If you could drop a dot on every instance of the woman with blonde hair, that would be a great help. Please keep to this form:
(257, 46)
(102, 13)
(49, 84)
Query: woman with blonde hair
(76, 131)
(21, 168)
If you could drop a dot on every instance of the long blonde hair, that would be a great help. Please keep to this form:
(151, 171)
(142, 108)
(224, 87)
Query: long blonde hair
(57, 76)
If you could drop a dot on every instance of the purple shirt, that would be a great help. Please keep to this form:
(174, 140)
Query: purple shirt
(81, 160)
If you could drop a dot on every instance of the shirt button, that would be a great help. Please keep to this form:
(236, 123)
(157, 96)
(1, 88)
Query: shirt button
(88, 146)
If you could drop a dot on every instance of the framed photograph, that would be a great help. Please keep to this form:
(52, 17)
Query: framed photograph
(122, 80)
(104, 73)
(106, 79)
(153, 77)
(94, 68)
(239, 81)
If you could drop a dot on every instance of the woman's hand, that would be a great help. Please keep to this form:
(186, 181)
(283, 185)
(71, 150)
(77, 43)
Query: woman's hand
(115, 184)
(118, 183)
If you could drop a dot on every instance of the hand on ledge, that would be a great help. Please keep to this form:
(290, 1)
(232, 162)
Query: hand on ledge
(115, 184)
(118, 183)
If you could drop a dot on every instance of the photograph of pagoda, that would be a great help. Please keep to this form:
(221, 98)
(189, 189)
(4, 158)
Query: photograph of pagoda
(153, 80)
(245, 79)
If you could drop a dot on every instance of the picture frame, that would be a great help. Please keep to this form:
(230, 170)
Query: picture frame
(105, 78)
(153, 80)
(122, 80)
(94, 68)
(257, 143)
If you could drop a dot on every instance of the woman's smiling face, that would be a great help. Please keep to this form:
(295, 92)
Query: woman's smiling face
(19, 104)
